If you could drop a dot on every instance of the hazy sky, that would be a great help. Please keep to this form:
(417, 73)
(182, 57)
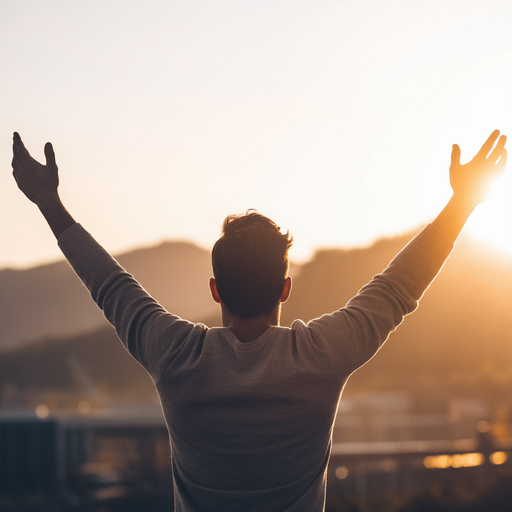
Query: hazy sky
(335, 118)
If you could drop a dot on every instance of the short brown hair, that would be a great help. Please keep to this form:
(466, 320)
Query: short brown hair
(250, 264)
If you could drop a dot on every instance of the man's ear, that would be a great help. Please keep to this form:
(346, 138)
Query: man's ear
(213, 289)
(287, 289)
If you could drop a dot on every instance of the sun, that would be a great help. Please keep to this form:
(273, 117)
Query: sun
(491, 223)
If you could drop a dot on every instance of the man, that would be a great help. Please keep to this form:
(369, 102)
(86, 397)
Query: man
(250, 406)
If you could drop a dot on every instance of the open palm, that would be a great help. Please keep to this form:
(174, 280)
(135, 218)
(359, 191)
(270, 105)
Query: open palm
(34, 179)
(472, 180)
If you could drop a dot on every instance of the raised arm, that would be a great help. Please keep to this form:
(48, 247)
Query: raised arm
(142, 324)
(361, 327)
(40, 184)
(470, 183)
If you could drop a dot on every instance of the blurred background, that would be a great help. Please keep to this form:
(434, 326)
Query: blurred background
(336, 119)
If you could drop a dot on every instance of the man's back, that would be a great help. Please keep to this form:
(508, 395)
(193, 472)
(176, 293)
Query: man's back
(250, 423)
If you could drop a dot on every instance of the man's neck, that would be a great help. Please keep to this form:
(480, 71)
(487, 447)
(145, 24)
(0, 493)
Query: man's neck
(249, 329)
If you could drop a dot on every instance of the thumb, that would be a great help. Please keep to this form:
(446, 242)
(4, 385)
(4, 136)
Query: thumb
(455, 156)
(50, 155)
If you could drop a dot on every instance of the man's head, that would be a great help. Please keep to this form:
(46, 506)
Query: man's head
(250, 264)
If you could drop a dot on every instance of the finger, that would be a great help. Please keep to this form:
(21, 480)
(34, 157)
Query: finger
(455, 156)
(488, 144)
(17, 141)
(50, 155)
(498, 150)
(500, 166)
(19, 149)
(15, 144)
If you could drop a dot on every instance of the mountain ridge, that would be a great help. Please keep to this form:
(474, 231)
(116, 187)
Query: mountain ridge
(460, 336)
(49, 300)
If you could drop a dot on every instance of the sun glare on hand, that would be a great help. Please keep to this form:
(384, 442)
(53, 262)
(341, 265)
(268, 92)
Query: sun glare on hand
(491, 222)
(479, 107)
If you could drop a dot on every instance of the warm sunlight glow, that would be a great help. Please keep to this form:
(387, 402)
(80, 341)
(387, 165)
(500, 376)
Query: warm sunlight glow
(336, 122)
(469, 120)
(492, 222)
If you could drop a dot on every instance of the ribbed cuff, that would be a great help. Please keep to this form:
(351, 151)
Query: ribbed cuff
(437, 239)
(71, 236)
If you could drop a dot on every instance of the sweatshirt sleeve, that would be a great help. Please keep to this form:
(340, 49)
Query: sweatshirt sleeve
(151, 334)
(349, 337)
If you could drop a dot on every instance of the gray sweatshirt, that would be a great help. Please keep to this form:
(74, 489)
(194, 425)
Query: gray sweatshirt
(250, 424)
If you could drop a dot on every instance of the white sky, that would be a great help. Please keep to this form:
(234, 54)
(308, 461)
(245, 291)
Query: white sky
(334, 118)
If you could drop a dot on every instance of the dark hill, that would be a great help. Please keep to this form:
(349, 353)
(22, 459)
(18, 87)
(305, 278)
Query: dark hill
(50, 301)
(93, 364)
